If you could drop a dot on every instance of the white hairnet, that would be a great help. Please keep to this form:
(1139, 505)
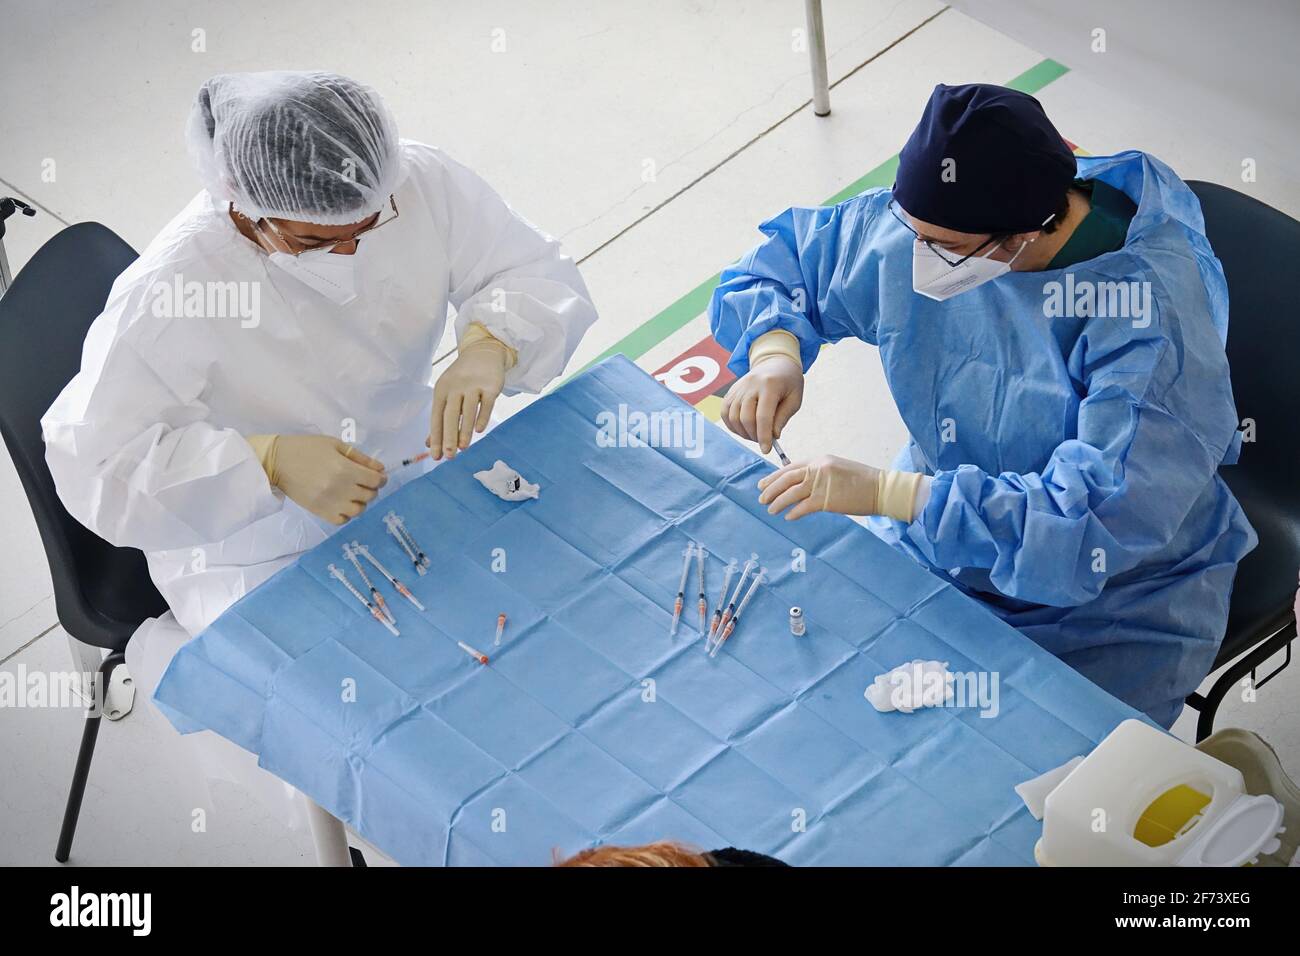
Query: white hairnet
(309, 146)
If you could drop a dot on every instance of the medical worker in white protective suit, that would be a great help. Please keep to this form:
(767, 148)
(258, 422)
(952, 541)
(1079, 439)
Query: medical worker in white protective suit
(272, 347)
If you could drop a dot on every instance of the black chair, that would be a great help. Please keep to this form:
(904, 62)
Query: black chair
(101, 593)
(1259, 247)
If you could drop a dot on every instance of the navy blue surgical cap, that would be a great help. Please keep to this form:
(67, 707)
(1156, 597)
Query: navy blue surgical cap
(1009, 167)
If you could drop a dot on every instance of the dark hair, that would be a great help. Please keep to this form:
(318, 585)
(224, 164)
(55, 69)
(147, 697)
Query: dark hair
(1062, 210)
(205, 106)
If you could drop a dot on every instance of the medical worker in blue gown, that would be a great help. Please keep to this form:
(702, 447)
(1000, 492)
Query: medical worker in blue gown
(1052, 330)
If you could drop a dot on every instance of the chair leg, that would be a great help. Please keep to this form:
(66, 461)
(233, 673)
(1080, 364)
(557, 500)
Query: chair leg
(89, 733)
(1208, 704)
(328, 835)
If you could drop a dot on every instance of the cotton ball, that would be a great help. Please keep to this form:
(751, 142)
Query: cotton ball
(911, 686)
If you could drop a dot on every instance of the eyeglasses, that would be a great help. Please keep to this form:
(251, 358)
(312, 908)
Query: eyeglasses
(996, 237)
(297, 246)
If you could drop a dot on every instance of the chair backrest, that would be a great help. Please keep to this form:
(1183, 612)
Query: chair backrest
(102, 593)
(1259, 248)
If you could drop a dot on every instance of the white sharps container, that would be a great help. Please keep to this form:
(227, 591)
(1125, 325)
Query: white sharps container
(1145, 798)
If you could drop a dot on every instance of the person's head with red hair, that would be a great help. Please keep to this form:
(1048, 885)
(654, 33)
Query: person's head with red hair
(664, 853)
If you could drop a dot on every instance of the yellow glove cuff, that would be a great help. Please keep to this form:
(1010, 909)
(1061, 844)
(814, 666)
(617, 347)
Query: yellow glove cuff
(776, 342)
(264, 447)
(896, 494)
(476, 334)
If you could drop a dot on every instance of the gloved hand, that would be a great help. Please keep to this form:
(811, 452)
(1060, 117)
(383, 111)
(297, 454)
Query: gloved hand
(329, 478)
(836, 484)
(464, 394)
(765, 398)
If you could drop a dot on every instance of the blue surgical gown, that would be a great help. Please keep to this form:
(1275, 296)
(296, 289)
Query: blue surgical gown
(1074, 452)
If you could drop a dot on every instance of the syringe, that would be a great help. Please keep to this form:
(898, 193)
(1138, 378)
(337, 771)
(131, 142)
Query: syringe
(350, 553)
(414, 458)
(722, 601)
(394, 525)
(476, 654)
(401, 588)
(681, 588)
(374, 611)
(776, 447)
(700, 554)
(420, 557)
(750, 565)
(731, 625)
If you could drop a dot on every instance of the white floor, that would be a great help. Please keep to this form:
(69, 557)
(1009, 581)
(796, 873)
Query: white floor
(584, 99)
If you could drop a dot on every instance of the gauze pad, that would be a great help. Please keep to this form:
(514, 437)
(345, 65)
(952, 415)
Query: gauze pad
(506, 483)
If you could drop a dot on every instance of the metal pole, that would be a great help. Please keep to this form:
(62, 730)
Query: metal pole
(817, 57)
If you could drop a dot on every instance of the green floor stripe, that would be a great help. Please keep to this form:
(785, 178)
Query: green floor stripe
(882, 175)
(650, 333)
(1036, 77)
(653, 331)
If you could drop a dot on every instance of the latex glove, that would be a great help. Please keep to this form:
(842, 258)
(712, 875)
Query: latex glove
(329, 478)
(765, 398)
(464, 394)
(836, 484)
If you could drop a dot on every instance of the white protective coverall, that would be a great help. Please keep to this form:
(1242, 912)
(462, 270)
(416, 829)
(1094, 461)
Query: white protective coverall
(204, 340)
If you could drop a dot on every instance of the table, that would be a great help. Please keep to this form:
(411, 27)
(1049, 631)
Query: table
(590, 724)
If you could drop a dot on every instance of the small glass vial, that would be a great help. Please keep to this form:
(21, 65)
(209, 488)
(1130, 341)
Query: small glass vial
(797, 626)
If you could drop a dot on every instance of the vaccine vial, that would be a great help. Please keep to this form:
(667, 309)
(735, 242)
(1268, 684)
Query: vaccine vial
(797, 626)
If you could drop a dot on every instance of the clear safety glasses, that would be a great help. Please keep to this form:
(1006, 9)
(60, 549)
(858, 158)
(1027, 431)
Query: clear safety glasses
(295, 246)
(897, 213)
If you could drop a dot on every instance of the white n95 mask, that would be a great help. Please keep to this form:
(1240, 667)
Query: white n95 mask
(935, 279)
(333, 276)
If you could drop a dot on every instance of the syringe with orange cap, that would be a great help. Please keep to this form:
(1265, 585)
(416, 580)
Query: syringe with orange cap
(731, 625)
(401, 588)
(349, 552)
(374, 611)
(473, 652)
(732, 567)
(750, 565)
(414, 458)
(681, 588)
(700, 555)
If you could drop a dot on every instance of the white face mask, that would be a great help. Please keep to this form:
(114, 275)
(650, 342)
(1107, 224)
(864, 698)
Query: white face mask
(935, 279)
(333, 276)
